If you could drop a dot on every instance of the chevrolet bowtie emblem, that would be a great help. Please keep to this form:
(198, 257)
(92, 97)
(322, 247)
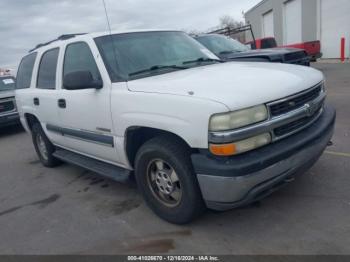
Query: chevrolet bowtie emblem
(310, 109)
(292, 104)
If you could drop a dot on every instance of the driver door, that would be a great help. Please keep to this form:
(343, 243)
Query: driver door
(85, 114)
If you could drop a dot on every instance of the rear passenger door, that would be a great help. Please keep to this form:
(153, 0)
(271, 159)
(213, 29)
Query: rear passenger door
(85, 114)
(45, 92)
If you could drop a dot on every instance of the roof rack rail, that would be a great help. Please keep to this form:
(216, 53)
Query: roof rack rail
(68, 36)
(231, 31)
(61, 37)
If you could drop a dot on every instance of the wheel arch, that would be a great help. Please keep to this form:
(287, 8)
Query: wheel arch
(31, 119)
(137, 136)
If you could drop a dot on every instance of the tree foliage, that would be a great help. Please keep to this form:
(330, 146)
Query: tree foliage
(230, 22)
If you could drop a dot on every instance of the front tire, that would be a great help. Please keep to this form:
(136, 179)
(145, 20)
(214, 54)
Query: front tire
(165, 177)
(43, 147)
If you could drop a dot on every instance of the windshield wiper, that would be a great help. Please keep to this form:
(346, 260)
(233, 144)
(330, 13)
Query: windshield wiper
(158, 67)
(227, 52)
(230, 52)
(202, 60)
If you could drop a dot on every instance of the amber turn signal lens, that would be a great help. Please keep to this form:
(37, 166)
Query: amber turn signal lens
(223, 150)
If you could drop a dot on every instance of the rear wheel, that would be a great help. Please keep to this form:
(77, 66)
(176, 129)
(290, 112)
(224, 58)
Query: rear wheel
(43, 147)
(166, 179)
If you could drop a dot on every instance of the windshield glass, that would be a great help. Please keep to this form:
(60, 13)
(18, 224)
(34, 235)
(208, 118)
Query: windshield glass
(7, 83)
(220, 44)
(136, 55)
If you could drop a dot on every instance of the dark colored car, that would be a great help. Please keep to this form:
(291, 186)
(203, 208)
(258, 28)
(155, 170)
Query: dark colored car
(313, 48)
(8, 109)
(229, 49)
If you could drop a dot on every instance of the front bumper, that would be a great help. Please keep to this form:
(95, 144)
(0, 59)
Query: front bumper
(240, 180)
(304, 61)
(314, 57)
(9, 119)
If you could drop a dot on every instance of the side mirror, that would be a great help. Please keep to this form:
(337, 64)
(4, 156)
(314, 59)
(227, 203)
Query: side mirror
(81, 80)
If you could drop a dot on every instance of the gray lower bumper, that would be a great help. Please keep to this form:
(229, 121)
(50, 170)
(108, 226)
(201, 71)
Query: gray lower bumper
(222, 192)
(10, 119)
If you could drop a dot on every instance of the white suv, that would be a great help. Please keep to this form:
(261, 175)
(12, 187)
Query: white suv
(195, 132)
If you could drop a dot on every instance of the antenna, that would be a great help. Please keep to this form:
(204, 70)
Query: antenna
(108, 23)
(112, 41)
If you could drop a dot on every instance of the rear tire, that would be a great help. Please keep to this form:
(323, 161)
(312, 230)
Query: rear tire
(166, 179)
(43, 147)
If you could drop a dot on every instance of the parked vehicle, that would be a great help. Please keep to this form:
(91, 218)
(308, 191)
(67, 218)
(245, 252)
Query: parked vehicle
(313, 48)
(8, 111)
(193, 131)
(229, 49)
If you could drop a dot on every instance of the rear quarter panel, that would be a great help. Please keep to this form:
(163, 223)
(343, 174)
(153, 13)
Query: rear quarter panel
(312, 48)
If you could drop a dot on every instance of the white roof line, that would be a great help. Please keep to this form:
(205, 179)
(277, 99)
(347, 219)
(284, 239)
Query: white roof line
(55, 42)
(254, 7)
(126, 31)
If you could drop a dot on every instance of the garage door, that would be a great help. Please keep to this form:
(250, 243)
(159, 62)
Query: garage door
(267, 24)
(335, 23)
(292, 22)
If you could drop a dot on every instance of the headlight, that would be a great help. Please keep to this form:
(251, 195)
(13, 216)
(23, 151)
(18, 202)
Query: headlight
(237, 119)
(240, 147)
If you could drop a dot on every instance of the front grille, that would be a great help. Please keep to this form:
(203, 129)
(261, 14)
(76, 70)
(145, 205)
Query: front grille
(294, 56)
(295, 102)
(294, 126)
(7, 106)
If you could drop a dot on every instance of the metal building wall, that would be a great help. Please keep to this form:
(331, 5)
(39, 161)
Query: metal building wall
(309, 19)
(334, 23)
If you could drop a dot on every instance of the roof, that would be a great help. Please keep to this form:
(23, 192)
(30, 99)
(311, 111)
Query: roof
(96, 34)
(115, 32)
(256, 6)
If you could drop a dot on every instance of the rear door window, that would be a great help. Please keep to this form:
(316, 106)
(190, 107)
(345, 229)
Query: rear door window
(25, 71)
(47, 70)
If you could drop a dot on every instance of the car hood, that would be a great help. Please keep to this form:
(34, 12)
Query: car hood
(235, 84)
(7, 93)
(283, 50)
(273, 52)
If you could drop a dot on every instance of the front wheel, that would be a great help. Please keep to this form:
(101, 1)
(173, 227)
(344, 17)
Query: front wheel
(165, 177)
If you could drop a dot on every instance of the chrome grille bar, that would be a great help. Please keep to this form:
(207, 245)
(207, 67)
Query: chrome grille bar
(308, 110)
(2, 101)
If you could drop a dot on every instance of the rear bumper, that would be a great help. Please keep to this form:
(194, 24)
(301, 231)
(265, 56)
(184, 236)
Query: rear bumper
(10, 119)
(240, 180)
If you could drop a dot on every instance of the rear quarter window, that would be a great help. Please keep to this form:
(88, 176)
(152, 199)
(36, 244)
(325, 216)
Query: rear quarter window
(25, 71)
(268, 43)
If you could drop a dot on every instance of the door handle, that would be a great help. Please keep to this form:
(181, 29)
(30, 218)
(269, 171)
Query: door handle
(36, 101)
(62, 103)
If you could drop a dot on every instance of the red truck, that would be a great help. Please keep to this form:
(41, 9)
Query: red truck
(312, 48)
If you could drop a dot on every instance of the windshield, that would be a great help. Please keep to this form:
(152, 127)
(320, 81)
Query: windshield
(7, 83)
(137, 55)
(220, 44)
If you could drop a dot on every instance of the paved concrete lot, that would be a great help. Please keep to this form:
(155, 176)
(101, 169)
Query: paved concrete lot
(68, 210)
